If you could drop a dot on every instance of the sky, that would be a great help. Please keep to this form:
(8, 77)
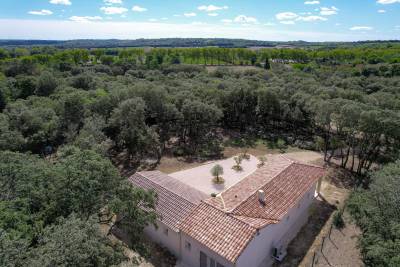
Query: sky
(273, 20)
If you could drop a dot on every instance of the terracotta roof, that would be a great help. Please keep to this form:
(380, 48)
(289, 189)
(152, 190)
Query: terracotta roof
(227, 223)
(187, 192)
(235, 195)
(175, 200)
(281, 193)
(224, 234)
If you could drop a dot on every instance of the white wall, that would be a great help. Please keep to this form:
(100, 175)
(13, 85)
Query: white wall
(192, 258)
(259, 251)
(171, 242)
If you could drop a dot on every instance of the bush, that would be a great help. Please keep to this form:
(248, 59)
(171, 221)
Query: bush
(46, 84)
(338, 221)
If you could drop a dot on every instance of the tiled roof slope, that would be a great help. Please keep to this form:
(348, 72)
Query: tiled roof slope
(235, 195)
(175, 199)
(218, 231)
(281, 193)
(187, 192)
(227, 223)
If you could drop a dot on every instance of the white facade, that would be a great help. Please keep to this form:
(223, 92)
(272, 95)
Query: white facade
(257, 253)
(259, 250)
(165, 237)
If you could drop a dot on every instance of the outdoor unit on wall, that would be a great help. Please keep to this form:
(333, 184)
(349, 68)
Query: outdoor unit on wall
(279, 253)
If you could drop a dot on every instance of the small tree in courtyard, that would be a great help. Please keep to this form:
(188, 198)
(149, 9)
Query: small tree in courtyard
(262, 160)
(238, 161)
(245, 155)
(217, 171)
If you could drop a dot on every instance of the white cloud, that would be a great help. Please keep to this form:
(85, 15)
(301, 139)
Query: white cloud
(211, 8)
(288, 22)
(312, 18)
(191, 14)
(289, 18)
(286, 16)
(361, 28)
(381, 11)
(245, 19)
(138, 9)
(269, 24)
(328, 11)
(112, 2)
(226, 20)
(311, 2)
(387, 2)
(153, 20)
(61, 2)
(113, 10)
(213, 14)
(43, 12)
(85, 18)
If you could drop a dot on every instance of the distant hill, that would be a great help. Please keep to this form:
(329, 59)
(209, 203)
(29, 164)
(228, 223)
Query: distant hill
(185, 42)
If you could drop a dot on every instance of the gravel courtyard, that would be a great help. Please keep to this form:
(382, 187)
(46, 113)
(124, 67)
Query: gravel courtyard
(200, 177)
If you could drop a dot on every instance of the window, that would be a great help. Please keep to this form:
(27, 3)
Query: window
(188, 246)
(166, 231)
(203, 259)
(208, 262)
(212, 262)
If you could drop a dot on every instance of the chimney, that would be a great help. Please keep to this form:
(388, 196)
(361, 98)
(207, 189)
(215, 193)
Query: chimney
(261, 196)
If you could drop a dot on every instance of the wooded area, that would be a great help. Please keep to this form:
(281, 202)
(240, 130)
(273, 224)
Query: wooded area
(67, 114)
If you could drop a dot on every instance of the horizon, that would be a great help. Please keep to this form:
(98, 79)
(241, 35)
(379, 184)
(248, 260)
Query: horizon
(311, 21)
(216, 38)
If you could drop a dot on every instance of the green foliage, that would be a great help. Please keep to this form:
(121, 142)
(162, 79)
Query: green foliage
(262, 160)
(132, 132)
(199, 120)
(376, 211)
(83, 81)
(338, 221)
(281, 145)
(217, 171)
(74, 242)
(49, 210)
(238, 161)
(34, 121)
(46, 84)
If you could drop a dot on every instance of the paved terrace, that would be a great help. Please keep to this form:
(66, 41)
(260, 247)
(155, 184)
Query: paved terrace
(201, 178)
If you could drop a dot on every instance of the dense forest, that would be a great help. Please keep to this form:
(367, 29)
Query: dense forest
(67, 115)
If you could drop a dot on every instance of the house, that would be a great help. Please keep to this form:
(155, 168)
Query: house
(248, 222)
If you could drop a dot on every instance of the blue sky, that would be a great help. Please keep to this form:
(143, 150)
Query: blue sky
(282, 20)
